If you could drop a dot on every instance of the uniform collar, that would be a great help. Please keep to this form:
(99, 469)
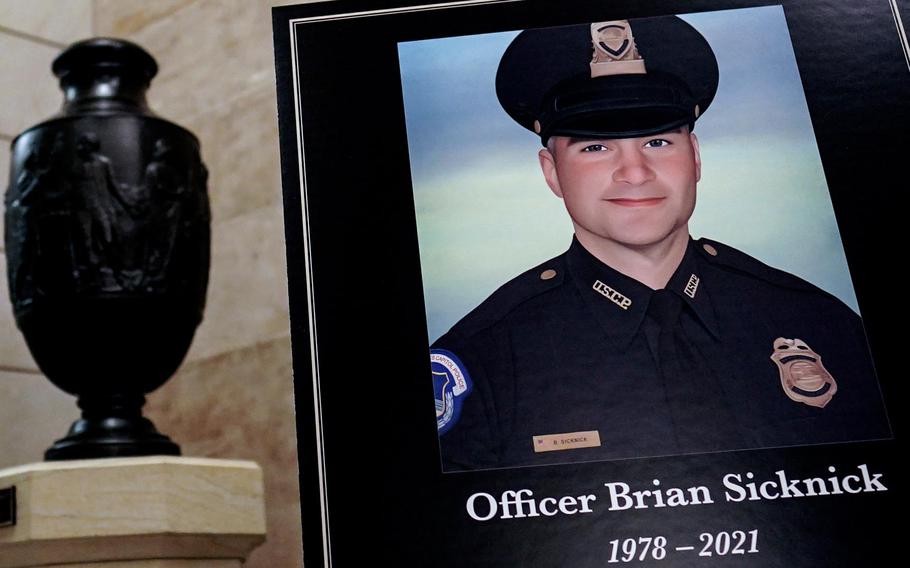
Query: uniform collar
(688, 282)
(620, 303)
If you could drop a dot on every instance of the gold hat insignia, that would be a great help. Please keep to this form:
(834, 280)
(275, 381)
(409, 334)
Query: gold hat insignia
(614, 49)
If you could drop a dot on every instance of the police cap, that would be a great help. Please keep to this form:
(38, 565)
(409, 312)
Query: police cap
(617, 79)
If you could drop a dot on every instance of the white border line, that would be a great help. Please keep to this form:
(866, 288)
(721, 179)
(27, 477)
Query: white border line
(311, 303)
(386, 11)
(317, 399)
(900, 31)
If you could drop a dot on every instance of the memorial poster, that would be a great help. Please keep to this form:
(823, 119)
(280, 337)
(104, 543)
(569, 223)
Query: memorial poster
(452, 193)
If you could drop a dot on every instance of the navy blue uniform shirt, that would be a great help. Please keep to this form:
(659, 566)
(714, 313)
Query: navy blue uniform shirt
(571, 346)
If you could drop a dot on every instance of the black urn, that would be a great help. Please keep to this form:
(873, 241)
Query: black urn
(107, 244)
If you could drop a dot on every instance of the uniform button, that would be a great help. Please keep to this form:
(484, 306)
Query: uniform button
(548, 274)
(710, 250)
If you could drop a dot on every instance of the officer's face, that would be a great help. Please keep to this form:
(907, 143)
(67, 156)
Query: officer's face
(632, 192)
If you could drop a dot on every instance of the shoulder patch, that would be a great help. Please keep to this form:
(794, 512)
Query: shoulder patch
(451, 386)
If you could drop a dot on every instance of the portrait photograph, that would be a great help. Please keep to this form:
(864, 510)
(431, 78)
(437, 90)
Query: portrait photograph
(590, 386)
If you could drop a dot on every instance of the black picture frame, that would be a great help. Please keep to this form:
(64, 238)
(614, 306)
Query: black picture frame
(370, 475)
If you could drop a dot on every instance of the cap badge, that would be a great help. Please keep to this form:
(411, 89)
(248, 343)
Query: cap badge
(612, 295)
(614, 49)
(802, 375)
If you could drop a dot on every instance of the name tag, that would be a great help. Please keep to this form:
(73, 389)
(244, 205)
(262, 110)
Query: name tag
(567, 441)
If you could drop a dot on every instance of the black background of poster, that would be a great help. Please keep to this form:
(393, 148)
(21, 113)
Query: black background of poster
(386, 496)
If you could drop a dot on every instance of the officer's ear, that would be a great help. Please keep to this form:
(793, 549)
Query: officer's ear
(547, 160)
(695, 150)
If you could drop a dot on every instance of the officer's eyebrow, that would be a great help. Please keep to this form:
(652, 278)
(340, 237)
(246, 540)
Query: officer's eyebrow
(589, 139)
(580, 139)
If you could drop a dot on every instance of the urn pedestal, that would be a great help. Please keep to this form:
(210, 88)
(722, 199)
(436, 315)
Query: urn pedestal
(146, 512)
(107, 243)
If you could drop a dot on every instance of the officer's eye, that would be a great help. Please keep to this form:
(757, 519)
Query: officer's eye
(594, 148)
(657, 143)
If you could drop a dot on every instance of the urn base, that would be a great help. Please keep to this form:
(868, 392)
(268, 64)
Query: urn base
(111, 437)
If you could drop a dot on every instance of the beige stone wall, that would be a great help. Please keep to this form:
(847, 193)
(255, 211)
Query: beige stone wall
(232, 398)
(32, 411)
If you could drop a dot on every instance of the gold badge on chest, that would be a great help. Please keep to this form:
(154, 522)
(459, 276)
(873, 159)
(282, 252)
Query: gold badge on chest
(802, 375)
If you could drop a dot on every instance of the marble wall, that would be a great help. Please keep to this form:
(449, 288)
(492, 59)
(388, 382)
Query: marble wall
(232, 397)
(33, 413)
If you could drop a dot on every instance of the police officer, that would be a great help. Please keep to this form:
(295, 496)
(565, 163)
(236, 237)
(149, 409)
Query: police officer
(639, 341)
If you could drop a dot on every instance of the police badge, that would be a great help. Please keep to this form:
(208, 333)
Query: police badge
(615, 52)
(802, 375)
(451, 385)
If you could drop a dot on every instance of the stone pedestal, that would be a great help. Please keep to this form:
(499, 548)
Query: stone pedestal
(148, 512)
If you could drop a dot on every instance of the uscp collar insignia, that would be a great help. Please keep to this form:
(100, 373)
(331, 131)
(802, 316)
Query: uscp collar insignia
(802, 375)
(692, 286)
(612, 295)
(451, 385)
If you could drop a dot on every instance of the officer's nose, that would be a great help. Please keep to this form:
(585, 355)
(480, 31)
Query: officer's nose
(633, 167)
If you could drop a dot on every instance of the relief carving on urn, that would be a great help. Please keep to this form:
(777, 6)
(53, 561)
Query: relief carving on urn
(94, 232)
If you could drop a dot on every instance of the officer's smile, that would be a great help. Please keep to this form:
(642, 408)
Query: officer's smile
(643, 202)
